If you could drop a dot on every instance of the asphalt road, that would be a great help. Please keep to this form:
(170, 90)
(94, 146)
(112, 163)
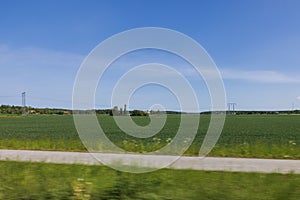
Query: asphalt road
(154, 161)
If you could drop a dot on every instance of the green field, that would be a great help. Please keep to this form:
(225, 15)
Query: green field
(264, 136)
(54, 181)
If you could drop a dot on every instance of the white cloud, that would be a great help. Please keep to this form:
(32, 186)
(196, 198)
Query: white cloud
(262, 76)
(298, 98)
(36, 58)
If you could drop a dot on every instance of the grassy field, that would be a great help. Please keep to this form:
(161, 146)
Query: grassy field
(53, 181)
(264, 136)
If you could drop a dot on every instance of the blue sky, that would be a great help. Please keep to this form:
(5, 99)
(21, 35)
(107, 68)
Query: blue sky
(255, 45)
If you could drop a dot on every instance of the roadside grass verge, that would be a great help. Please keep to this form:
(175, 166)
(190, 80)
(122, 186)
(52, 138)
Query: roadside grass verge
(56, 181)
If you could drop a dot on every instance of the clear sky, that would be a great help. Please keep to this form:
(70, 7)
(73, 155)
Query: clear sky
(255, 44)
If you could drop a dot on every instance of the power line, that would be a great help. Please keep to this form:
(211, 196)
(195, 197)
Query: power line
(49, 99)
(64, 101)
(25, 98)
(9, 96)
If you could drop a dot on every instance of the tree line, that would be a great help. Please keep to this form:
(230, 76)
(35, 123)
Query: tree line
(18, 110)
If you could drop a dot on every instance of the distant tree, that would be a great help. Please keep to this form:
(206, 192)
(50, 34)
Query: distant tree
(59, 112)
(138, 113)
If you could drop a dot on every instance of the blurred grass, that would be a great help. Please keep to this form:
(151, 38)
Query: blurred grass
(55, 181)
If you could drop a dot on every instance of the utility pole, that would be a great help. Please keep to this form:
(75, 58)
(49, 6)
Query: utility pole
(24, 103)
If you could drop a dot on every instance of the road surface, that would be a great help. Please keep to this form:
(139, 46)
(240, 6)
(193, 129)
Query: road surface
(152, 161)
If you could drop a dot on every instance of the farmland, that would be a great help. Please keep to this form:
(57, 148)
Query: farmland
(56, 181)
(262, 136)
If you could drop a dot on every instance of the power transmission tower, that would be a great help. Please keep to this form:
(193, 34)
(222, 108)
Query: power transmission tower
(231, 108)
(23, 103)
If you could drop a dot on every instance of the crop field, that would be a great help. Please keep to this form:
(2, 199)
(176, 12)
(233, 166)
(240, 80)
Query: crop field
(263, 136)
(55, 181)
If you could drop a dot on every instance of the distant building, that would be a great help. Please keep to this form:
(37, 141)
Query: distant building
(32, 112)
(67, 112)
